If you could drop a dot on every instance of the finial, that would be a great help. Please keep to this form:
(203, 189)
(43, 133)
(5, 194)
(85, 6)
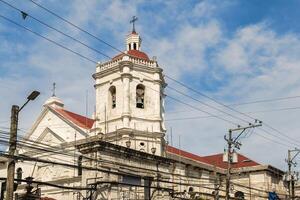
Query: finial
(53, 89)
(134, 18)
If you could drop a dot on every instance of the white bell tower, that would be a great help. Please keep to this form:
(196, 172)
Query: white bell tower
(129, 99)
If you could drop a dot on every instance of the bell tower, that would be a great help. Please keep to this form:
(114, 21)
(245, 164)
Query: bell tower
(129, 99)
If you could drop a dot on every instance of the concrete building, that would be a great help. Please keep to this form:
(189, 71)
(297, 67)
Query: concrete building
(121, 152)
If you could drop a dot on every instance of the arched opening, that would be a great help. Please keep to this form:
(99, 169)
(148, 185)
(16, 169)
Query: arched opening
(140, 93)
(19, 175)
(239, 195)
(134, 46)
(113, 97)
(129, 47)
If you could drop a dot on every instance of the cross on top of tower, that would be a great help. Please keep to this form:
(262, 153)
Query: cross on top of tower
(53, 89)
(134, 18)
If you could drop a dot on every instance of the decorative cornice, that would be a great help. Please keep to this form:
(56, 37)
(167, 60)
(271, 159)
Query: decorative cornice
(126, 75)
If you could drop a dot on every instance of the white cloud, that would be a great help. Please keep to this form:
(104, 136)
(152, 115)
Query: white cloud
(185, 51)
(253, 63)
(204, 9)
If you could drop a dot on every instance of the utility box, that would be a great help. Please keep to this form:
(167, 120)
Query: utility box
(234, 157)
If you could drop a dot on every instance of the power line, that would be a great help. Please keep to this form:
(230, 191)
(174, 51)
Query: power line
(210, 106)
(274, 141)
(116, 173)
(96, 62)
(77, 27)
(68, 49)
(220, 103)
(50, 184)
(194, 107)
(65, 153)
(67, 21)
(200, 93)
(198, 185)
(49, 40)
(264, 100)
(207, 116)
(55, 29)
(78, 40)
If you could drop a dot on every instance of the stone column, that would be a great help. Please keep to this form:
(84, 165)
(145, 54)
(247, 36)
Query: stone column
(126, 77)
(157, 102)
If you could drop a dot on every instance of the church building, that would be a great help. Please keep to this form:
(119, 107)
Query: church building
(121, 152)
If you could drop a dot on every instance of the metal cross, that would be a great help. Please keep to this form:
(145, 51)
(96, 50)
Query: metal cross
(53, 89)
(134, 18)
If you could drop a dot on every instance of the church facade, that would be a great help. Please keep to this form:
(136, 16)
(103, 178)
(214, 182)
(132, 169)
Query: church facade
(121, 152)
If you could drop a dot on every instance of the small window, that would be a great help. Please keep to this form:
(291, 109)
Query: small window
(134, 46)
(129, 47)
(79, 163)
(140, 93)
(19, 175)
(113, 97)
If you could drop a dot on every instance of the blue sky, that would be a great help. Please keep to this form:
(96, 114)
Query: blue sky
(234, 51)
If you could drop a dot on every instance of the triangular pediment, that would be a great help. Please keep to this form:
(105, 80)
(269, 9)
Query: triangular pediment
(50, 137)
(51, 127)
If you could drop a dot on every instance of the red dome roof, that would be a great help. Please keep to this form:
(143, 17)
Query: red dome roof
(135, 54)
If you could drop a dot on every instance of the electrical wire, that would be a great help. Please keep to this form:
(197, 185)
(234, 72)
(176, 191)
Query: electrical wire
(77, 27)
(55, 29)
(94, 61)
(198, 185)
(166, 76)
(264, 100)
(169, 77)
(48, 39)
(67, 21)
(224, 105)
(66, 48)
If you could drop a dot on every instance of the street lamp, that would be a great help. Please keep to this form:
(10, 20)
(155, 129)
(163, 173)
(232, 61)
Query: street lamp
(13, 144)
(31, 97)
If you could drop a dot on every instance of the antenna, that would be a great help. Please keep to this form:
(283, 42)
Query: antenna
(53, 89)
(179, 146)
(116, 135)
(105, 120)
(96, 119)
(171, 132)
(86, 108)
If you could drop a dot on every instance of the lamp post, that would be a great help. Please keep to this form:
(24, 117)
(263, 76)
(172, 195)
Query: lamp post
(13, 144)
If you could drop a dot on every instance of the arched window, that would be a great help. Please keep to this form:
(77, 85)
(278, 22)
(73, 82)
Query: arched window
(239, 195)
(113, 97)
(140, 93)
(134, 46)
(19, 174)
(129, 47)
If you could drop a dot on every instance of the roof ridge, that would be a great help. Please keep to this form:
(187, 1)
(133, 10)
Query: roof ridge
(77, 119)
(74, 113)
(215, 159)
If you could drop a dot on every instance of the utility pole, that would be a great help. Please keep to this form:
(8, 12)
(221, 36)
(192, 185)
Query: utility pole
(233, 143)
(12, 149)
(290, 176)
(13, 144)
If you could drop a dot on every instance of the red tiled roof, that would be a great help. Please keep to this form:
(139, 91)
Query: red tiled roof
(242, 161)
(216, 160)
(78, 120)
(186, 154)
(135, 54)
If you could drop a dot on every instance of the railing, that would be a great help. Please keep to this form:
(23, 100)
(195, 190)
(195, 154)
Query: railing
(115, 62)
